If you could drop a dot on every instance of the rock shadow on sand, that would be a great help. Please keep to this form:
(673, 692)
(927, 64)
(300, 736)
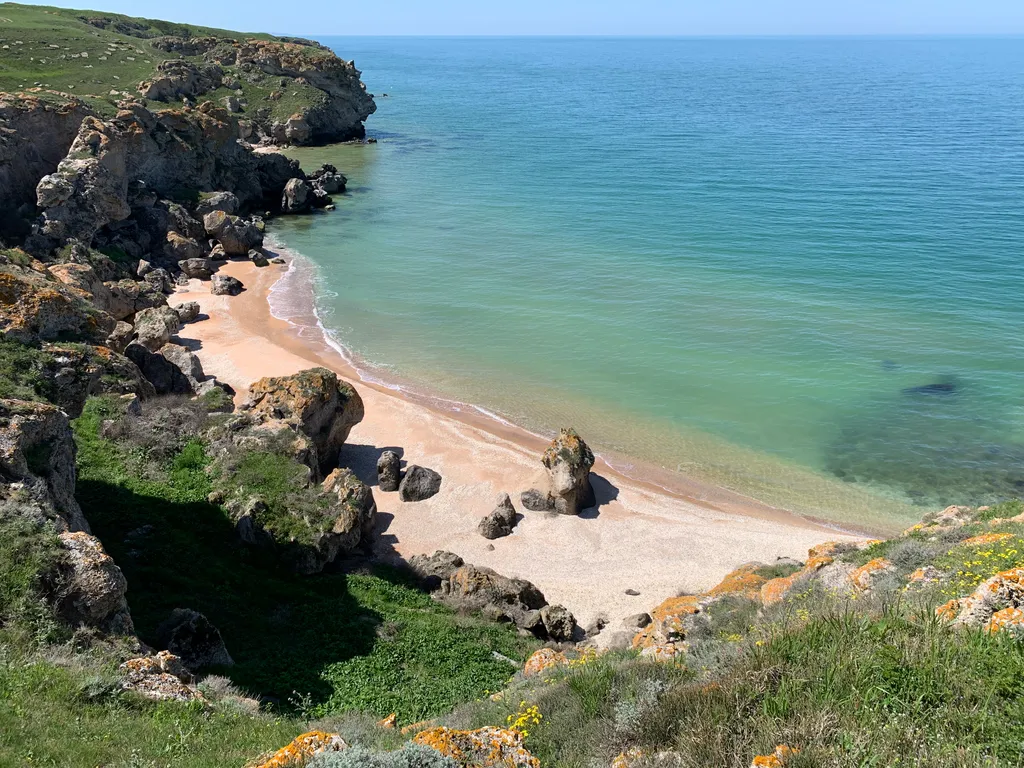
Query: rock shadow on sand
(604, 493)
(362, 459)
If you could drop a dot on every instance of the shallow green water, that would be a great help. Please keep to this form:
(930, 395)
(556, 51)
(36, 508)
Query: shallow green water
(793, 267)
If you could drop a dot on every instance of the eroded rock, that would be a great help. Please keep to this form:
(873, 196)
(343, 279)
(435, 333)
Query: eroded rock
(419, 484)
(389, 471)
(190, 636)
(500, 521)
(94, 594)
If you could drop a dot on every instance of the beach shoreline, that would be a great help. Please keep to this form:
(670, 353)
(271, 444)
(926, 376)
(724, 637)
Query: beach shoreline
(659, 537)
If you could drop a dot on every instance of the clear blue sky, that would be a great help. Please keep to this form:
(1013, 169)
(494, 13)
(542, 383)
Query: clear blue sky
(587, 17)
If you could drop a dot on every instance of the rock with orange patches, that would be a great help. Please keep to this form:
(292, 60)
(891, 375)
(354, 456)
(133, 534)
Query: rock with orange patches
(986, 538)
(628, 759)
(863, 579)
(827, 549)
(483, 748)
(542, 660)
(390, 721)
(668, 621)
(949, 610)
(780, 758)
(301, 749)
(1006, 620)
(33, 308)
(162, 677)
(774, 590)
(927, 574)
(664, 652)
(1002, 591)
(743, 581)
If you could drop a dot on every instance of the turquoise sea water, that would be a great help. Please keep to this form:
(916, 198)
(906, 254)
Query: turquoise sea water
(794, 267)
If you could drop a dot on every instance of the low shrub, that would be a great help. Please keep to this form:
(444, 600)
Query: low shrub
(409, 756)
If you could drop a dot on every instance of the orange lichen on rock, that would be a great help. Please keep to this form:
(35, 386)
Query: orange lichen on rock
(774, 590)
(986, 538)
(629, 758)
(926, 574)
(301, 749)
(744, 581)
(390, 721)
(483, 748)
(1004, 590)
(948, 610)
(777, 759)
(544, 659)
(1006, 620)
(665, 652)
(863, 578)
(667, 621)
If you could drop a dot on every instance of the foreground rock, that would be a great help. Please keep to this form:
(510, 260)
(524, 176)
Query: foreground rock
(313, 403)
(419, 484)
(483, 748)
(301, 748)
(568, 460)
(94, 593)
(37, 461)
(190, 636)
(33, 308)
(162, 677)
(500, 521)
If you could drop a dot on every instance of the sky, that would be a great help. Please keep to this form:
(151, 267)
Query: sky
(318, 18)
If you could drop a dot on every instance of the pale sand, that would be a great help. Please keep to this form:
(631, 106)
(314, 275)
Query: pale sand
(643, 537)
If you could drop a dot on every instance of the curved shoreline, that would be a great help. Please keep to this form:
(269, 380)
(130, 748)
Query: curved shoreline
(658, 541)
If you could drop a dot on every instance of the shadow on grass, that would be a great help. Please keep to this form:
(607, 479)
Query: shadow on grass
(282, 630)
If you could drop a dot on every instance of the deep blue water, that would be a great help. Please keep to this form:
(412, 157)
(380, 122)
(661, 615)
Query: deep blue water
(745, 259)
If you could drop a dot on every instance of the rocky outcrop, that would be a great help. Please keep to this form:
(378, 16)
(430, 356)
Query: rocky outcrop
(226, 202)
(389, 471)
(94, 593)
(73, 373)
(354, 515)
(297, 196)
(176, 78)
(197, 268)
(37, 461)
(419, 484)
(326, 180)
(433, 569)
(301, 749)
(339, 115)
(154, 327)
(190, 636)
(34, 307)
(500, 521)
(236, 235)
(313, 403)
(163, 375)
(36, 131)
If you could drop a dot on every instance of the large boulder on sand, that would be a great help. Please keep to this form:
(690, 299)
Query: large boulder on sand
(226, 285)
(313, 403)
(389, 471)
(190, 636)
(500, 521)
(419, 484)
(94, 592)
(37, 461)
(236, 235)
(199, 268)
(568, 461)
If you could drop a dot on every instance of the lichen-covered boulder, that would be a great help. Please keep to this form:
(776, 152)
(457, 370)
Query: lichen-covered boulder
(297, 753)
(472, 587)
(187, 311)
(314, 403)
(190, 636)
(389, 471)
(154, 327)
(73, 372)
(568, 461)
(781, 757)
(162, 677)
(559, 623)
(864, 578)
(483, 748)
(37, 460)
(419, 484)
(34, 308)
(94, 594)
(179, 248)
(129, 297)
(1003, 591)
(354, 515)
(165, 377)
(226, 202)
(500, 521)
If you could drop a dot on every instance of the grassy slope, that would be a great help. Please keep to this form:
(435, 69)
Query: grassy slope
(42, 46)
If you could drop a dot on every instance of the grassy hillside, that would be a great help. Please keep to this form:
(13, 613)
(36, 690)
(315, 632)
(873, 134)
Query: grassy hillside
(102, 57)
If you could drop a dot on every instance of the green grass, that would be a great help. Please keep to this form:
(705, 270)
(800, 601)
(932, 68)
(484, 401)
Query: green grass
(322, 644)
(30, 556)
(118, 58)
(65, 713)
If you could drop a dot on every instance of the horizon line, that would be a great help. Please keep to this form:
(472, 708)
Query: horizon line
(695, 36)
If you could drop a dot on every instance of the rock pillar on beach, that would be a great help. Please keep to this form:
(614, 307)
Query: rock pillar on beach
(568, 461)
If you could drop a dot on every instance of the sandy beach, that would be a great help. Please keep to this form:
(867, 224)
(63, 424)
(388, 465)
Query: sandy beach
(657, 539)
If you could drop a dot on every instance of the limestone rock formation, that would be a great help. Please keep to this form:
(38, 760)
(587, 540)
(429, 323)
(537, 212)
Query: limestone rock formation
(500, 521)
(436, 568)
(176, 78)
(559, 624)
(313, 403)
(186, 362)
(35, 307)
(198, 268)
(73, 372)
(300, 749)
(226, 202)
(187, 311)
(37, 460)
(165, 377)
(389, 471)
(162, 677)
(297, 196)
(94, 594)
(190, 636)
(236, 235)
(419, 483)
(326, 180)
(477, 588)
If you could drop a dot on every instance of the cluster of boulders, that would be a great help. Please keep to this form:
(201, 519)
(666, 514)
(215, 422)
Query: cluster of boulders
(416, 483)
(499, 598)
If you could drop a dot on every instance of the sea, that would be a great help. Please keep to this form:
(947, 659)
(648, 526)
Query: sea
(793, 268)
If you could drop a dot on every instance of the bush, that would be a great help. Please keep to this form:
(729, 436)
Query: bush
(30, 557)
(409, 756)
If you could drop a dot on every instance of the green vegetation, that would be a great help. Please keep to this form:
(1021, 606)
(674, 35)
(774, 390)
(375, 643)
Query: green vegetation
(21, 371)
(30, 557)
(102, 57)
(323, 644)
